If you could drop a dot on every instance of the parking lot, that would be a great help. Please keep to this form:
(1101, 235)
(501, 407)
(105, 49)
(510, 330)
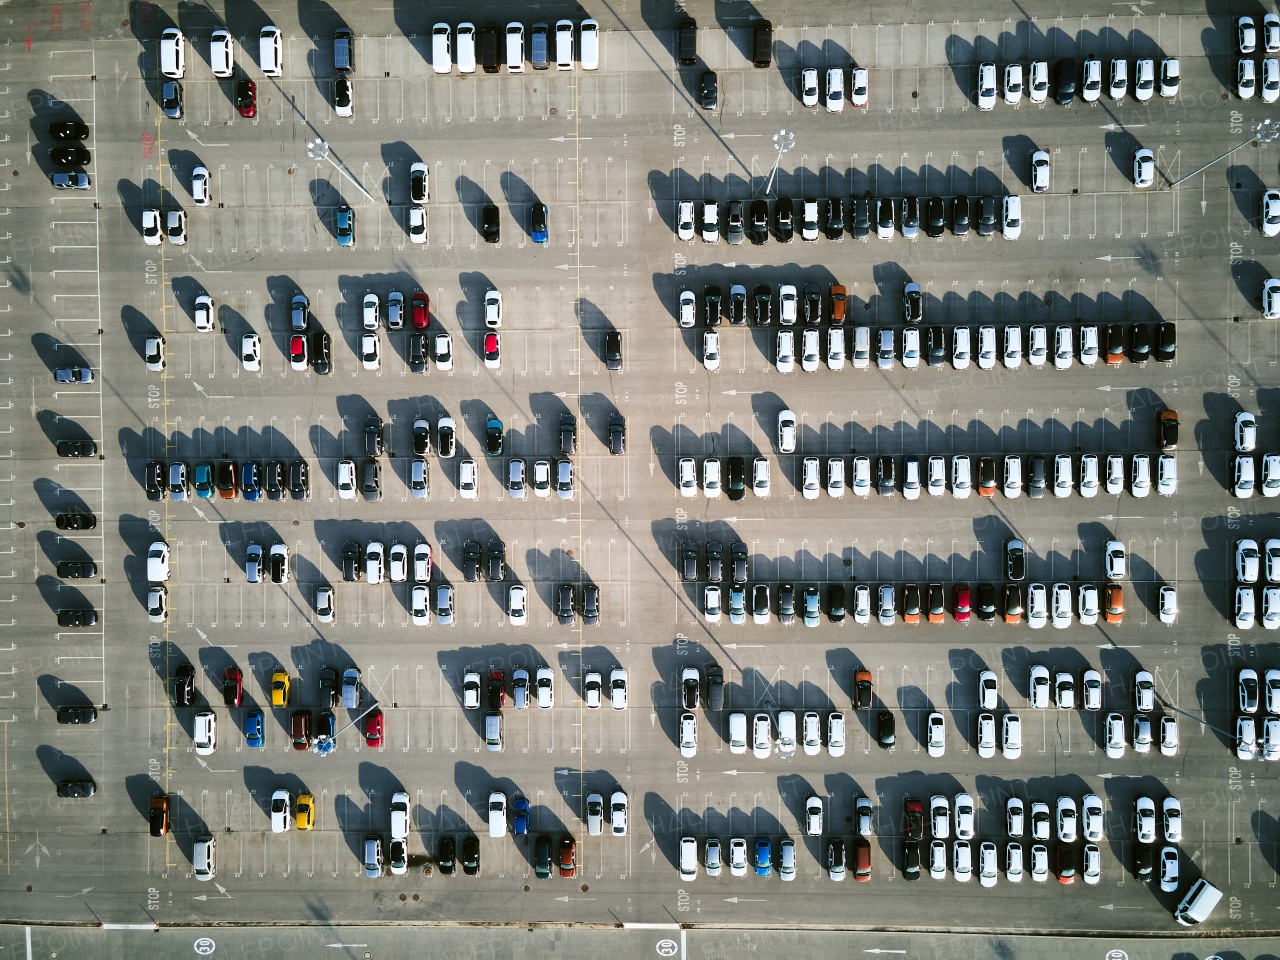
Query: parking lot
(612, 153)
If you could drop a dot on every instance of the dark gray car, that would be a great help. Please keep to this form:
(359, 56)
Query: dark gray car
(568, 434)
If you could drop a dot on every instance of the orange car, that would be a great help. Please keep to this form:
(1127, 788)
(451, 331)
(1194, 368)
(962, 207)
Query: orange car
(838, 298)
(1013, 604)
(862, 689)
(159, 815)
(937, 603)
(1114, 612)
(986, 477)
(910, 603)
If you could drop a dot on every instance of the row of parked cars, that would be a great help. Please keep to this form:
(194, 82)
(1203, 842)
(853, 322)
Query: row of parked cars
(984, 215)
(1071, 78)
(1257, 710)
(1037, 475)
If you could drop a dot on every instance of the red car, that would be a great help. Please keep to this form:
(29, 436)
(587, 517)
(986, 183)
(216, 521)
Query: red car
(421, 310)
(301, 729)
(960, 602)
(232, 686)
(298, 352)
(492, 350)
(497, 690)
(373, 729)
(568, 858)
(247, 98)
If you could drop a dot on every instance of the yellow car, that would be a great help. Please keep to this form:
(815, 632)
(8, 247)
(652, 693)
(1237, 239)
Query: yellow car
(280, 689)
(304, 809)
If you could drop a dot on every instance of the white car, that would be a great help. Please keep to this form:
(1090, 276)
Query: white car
(1015, 817)
(1270, 33)
(1169, 869)
(910, 347)
(785, 355)
(987, 690)
(1062, 479)
(939, 817)
(1170, 76)
(835, 477)
(761, 736)
(1088, 605)
(688, 735)
(760, 482)
(517, 605)
(1091, 85)
(986, 86)
(687, 477)
(711, 602)
(251, 352)
(417, 224)
(1037, 345)
(684, 220)
(835, 90)
(738, 857)
(471, 690)
(987, 868)
(152, 233)
(1144, 167)
(544, 688)
(1144, 80)
(281, 803)
(1270, 484)
(936, 734)
(1144, 692)
(859, 92)
(861, 603)
(1063, 354)
(1061, 606)
(964, 816)
(1013, 83)
(618, 688)
(175, 229)
(493, 309)
(1115, 474)
(986, 348)
(1038, 81)
(961, 861)
(203, 313)
(711, 477)
(618, 813)
(370, 351)
(810, 356)
(1040, 171)
(961, 478)
(1246, 79)
(1067, 820)
(1039, 862)
(711, 350)
(1118, 85)
(443, 351)
(346, 479)
(710, 221)
(1039, 820)
(835, 348)
(200, 186)
(1144, 819)
(1168, 603)
(1169, 737)
(1037, 606)
(810, 478)
(1011, 222)
(860, 479)
(1039, 687)
(986, 735)
(1246, 35)
(813, 816)
(468, 478)
(938, 859)
(1089, 345)
(1270, 80)
(788, 304)
(836, 734)
(809, 87)
(1242, 486)
(1246, 432)
(1117, 564)
(936, 476)
(786, 432)
(1171, 818)
(1013, 862)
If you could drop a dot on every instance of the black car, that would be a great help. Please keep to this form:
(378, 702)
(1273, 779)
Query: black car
(328, 687)
(960, 216)
(759, 231)
(76, 789)
(936, 356)
(1065, 76)
(936, 603)
(688, 560)
(911, 602)
(613, 350)
(373, 436)
(246, 98)
(273, 479)
(299, 480)
(784, 223)
(590, 605)
(77, 569)
(77, 716)
(911, 859)
(566, 597)
(1013, 607)
(618, 437)
(986, 605)
(737, 306)
(1115, 341)
(75, 521)
(711, 299)
(171, 99)
(786, 604)
(496, 560)
(736, 481)
(986, 216)
(861, 217)
(738, 556)
(886, 482)
(709, 90)
(184, 685)
(812, 304)
(77, 448)
(471, 561)
(1037, 478)
(351, 556)
(835, 602)
(496, 690)
(417, 353)
(935, 220)
(153, 480)
(715, 561)
(763, 297)
(1140, 342)
(490, 227)
(690, 691)
(1015, 553)
(1143, 855)
(421, 438)
(886, 730)
(72, 155)
(68, 130)
(884, 214)
(862, 690)
(835, 857)
(320, 362)
(471, 855)
(568, 434)
(1166, 341)
(445, 854)
(912, 818)
(833, 218)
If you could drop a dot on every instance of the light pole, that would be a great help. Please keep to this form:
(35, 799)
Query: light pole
(1266, 131)
(783, 141)
(318, 149)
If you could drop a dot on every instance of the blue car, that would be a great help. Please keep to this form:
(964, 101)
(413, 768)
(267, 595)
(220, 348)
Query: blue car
(344, 226)
(520, 817)
(204, 480)
(538, 222)
(251, 481)
(764, 857)
(253, 728)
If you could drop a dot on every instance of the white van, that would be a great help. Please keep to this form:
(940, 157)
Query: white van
(515, 47)
(1198, 904)
(493, 732)
(564, 44)
(497, 814)
(271, 52)
(465, 48)
(737, 733)
(441, 48)
(688, 858)
(173, 53)
(589, 45)
(202, 858)
(222, 58)
(205, 733)
(787, 733)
